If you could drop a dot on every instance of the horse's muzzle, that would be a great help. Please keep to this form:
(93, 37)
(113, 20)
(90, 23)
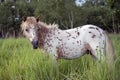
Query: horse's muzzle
(35, 44)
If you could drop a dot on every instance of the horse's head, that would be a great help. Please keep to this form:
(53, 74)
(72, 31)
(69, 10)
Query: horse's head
(30, 28)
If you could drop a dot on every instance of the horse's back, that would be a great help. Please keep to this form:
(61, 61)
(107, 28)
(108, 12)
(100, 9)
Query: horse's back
(92, 31)
(91, 27)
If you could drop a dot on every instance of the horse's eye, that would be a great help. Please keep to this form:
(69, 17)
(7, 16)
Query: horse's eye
(27, 30)
(38, 29)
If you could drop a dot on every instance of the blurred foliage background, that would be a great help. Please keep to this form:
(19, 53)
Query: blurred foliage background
(67, 13)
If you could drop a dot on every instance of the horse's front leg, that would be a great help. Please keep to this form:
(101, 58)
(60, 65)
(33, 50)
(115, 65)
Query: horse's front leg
(52, 54)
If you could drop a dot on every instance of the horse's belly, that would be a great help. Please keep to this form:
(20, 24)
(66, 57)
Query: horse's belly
(72, 53)
(72, 56)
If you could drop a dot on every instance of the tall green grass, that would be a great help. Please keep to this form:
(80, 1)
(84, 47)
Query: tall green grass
(18, 61)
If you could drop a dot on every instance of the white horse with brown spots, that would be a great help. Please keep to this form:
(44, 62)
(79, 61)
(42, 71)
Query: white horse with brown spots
(68, 44)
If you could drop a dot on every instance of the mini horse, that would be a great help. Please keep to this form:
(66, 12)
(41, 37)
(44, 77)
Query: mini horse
(68, 44)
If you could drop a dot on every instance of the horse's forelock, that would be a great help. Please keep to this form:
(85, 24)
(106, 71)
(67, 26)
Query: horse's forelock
(29, 21)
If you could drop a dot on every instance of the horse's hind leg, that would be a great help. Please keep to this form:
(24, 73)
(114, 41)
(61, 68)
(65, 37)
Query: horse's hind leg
(96, 51)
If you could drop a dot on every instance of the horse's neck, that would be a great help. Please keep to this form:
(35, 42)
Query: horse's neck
(44, 34)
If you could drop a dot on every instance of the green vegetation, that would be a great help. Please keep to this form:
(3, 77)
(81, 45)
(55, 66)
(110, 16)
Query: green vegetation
(18, 61)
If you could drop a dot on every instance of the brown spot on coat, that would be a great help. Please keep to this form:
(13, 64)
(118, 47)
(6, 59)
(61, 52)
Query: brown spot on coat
(97, 29)
(91, 27)
(73, 37)
(59, 39)
(69, 34)
(78, 33)
(93, 36)
(58, 32)
(90, 32)
(49, 45)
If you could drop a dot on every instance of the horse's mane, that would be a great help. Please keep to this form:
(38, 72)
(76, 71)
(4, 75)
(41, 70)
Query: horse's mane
(48, 25)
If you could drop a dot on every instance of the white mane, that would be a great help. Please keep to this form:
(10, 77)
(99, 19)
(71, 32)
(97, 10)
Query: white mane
(48, 26)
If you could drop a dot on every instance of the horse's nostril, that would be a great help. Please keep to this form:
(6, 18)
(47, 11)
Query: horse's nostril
(35, 44)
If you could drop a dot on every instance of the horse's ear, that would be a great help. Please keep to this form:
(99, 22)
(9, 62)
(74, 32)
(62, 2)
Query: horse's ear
(38, 19)
(24, 18)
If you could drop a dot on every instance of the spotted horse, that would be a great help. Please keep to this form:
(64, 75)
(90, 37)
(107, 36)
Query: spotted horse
(68, 44)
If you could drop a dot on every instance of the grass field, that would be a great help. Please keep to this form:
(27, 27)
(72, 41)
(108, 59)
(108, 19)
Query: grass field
(18, 61)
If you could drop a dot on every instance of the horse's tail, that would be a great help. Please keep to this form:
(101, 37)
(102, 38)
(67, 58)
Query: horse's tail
(109, 50)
